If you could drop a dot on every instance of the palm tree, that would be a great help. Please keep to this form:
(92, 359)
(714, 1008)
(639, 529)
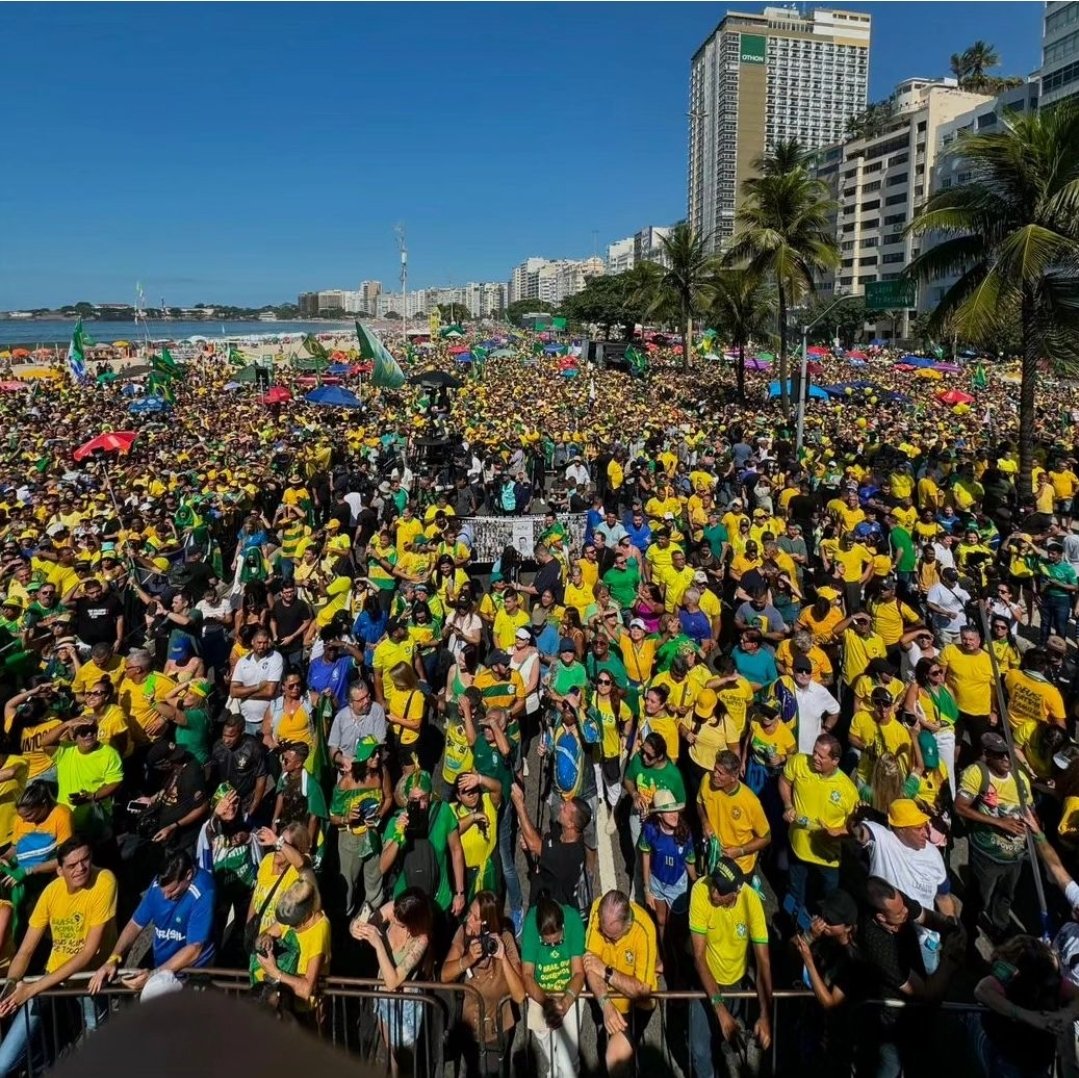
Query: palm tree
(786, 237)
(640, 285)
(782, 157)
(743, 309)
(1012, 235)
(978, 59)
(686, 280)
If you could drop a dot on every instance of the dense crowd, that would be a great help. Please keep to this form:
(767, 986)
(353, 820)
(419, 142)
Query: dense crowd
(264, 709)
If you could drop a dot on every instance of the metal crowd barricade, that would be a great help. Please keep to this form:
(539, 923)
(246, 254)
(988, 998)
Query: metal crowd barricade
(356, 1015)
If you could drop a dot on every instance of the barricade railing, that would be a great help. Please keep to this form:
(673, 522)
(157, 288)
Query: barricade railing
(409, 1029)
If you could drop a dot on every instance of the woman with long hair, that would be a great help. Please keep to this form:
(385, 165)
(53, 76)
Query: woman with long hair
(572, 629)
(400, 934)
(885, 784)
(404, 710)
(255, 606)
(668, 864)
(649, 606)
(929, 701)
(287, 718)
(484, 955)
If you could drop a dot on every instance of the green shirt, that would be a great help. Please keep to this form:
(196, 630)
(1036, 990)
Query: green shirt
(903, 545)
(668, 652)
(564, 678)
(623, 583)
(649, 779)
(553, 963)
(195, 736)
(489, 762)
(316, 799)
(715, 536)
(1060, 573)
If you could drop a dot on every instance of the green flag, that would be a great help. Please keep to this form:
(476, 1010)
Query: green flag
(313, 348)
(165, 366)
(979, 379)
(387, 372)
(236, 357)
(638, 362)
(159, 385)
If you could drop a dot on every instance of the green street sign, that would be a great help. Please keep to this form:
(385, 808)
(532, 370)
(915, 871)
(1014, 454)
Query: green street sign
(754, 48)
(889, 295)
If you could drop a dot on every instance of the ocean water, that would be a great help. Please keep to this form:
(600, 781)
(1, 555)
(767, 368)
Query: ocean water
(28, 333)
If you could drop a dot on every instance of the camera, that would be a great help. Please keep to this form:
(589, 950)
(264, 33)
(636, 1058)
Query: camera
(488, 943)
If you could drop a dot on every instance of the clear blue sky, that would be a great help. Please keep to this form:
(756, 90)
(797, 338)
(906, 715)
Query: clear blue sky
(244, 152)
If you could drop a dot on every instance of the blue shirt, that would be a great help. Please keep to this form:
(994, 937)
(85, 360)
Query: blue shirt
(184, 921)
(760, 668)
(321, 676)
(669, 856)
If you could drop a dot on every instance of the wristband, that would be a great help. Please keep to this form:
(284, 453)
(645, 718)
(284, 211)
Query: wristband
(718, 999)
(603, 1000)
(608, 973)
(113, 960)
(1039, 838)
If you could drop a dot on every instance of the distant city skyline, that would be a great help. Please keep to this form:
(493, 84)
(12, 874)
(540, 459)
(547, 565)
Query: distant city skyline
(195, 153)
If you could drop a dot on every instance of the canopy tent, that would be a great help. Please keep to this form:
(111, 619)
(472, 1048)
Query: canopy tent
(555, 349)
(755, 363)
(463, 357)
(309, 363)
(333, 397)
(816, 393)
(338, 368)
(436, 380)
(503, 353)
(11, 387)
(854, 353)
(246, 375)
(816, 350)
(917, 361)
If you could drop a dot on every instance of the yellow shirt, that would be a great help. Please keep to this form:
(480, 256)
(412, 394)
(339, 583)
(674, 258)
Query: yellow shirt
(265, 879)
(822, 631)
(1032, 699)
(1069, 819)
(667, 728)
(659, 558)
(729, 931)
(634, 954)
(681, 695)
(880, 738)
(580, 598)
(970, 677)
(10, 791)
(477, 847)
(90, 673)
(638, 658)
(140, 701)
(822, 665)
(506, 625)
(852, 563)
(675, 584)
(70, 916)
(403, 704)
(314, 941)
(858, 651)
(387, 654)
(819, 802)
(736, 697)
(712, 739)
(736, 818)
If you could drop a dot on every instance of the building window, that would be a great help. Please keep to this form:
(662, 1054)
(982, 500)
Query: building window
(873, 205)
(896, 219)
(894, 181)
(871, 261)
(893, 256)
(894, 200)
(869, 187)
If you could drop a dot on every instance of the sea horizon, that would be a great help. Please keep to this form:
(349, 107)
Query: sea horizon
(47, 332)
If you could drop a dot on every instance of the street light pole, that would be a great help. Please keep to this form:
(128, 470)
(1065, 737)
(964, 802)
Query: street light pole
(803, 367)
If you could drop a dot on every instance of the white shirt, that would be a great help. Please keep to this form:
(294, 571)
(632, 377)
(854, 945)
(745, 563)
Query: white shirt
(953, 600)
(814, 702)
(252, 671)
(578, 472)
(945, 557)
(355, 504)
(917, 873)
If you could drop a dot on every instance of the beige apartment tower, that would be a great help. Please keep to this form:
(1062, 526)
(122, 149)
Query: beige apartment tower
(760, 79)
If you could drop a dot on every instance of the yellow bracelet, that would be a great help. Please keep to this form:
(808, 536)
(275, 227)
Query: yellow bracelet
(114, 958)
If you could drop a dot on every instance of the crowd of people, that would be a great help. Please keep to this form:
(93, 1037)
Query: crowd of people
(265, 709)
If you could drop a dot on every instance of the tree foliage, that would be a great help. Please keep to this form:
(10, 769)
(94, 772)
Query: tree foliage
(516, 310)
(742, 310)
(971, 67)
(1011, 237)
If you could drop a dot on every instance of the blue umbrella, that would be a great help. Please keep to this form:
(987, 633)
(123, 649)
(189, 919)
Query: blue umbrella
(464, 357)
(333, 397)
(917, 361)
(815, 392)
(338, 368)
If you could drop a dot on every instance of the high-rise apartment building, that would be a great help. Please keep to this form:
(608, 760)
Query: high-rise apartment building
(552, 281)
(1060, 51)
(881, 179)
(621, 256)
(760, 79)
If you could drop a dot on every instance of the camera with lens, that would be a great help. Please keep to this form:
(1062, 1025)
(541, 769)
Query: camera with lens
(488, 943)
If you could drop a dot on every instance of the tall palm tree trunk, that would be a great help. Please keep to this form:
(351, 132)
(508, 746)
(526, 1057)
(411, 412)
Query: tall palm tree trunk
(1031, 357)
(687, 344)
(741, 372)
(784, 389)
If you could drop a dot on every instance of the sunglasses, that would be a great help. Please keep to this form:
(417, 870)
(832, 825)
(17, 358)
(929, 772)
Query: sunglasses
(85, 731)
(603, 681)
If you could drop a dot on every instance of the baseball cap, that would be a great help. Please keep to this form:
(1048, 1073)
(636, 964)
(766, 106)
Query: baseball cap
(700, 577)
(705, 704)
(498, 658)
(880, 695)
(839, 908)
(930, 750)
(566, 644)
(727, 877)
(828, 593)
(802, 665)
(636, 623)
(365, 749)
(523, 634)
(1057, 644)
(994, 743)
(904, 812)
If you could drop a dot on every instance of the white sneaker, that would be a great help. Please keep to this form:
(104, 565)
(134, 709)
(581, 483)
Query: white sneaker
(612, 826)
(524, 767)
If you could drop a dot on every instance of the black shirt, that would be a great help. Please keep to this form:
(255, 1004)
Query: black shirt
(559, 868)
(289, 618)
(241, 766)
(894, 956)
(95, 621)
(183, 792)
(549, 578)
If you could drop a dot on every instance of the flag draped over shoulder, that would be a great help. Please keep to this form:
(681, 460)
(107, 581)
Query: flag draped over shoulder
(387, 372)
(979, 379)
(312, 347)
(76, 352)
